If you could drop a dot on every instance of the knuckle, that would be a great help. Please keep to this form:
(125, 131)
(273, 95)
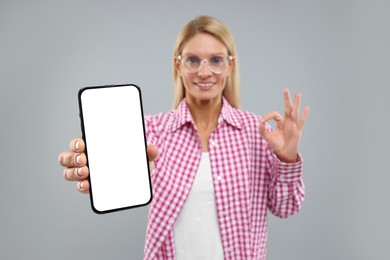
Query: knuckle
(294, 114)
(61, 159)
(75, 175)
(71, 145)
(66, 175)
(74, 158)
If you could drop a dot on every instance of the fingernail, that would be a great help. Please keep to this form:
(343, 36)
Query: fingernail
(76, 145)
(81, 185)
(80, 172)
(78, 159)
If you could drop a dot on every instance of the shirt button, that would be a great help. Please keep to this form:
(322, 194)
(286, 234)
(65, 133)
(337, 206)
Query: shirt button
(219, 178)
(213, 143)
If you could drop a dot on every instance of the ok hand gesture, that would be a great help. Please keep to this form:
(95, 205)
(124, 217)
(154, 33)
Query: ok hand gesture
(284, 140)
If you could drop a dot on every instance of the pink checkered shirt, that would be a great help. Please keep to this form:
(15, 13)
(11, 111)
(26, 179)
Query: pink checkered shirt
(248, 180)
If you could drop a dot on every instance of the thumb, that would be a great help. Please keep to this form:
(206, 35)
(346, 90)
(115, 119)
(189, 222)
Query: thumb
(152, 152)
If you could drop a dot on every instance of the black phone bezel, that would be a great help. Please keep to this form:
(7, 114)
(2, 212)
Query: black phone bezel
(81, 116)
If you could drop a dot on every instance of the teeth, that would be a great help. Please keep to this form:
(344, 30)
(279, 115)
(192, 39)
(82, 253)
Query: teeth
(205, 85)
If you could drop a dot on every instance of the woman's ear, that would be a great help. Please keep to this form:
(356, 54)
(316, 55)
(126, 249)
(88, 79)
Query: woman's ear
(230, 68)
(177, 67)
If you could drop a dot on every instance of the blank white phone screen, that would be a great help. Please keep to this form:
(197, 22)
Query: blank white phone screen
(112, 122)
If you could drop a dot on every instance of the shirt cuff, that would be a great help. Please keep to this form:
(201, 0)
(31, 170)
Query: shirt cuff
(289, 172)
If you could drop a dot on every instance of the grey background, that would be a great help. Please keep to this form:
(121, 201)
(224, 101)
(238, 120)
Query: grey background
(335, 52)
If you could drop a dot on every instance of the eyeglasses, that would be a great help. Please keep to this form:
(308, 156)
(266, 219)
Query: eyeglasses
(217, 63)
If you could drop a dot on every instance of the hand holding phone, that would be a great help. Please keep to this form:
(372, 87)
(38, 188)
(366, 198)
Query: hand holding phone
(114, 135)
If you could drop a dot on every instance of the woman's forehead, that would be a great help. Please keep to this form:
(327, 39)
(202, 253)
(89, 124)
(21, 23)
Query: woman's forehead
(204, 44)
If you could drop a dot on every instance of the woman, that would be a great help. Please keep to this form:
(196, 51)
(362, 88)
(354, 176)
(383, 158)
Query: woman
(216, 169)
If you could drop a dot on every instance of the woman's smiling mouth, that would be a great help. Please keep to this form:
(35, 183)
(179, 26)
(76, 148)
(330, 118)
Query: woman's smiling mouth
(205, 85)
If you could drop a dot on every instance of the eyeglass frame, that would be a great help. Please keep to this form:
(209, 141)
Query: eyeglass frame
(229, 58)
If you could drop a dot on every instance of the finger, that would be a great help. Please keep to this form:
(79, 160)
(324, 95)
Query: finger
(263, 130)
(274, 115)
(151, 166)
(83, 186)
(71, 159)
(152, 152)
(76, 174)
(295, 110)
(303, 118)
(77, 145)
(287, 103)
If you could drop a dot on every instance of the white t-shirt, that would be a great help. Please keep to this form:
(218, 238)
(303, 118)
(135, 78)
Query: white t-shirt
(196, 229)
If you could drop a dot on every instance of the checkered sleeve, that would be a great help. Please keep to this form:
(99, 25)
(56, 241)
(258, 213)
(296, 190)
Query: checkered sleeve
(287, 190)
(150, 130)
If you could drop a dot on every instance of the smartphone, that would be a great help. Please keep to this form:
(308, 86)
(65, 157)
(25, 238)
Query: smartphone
(113, 130)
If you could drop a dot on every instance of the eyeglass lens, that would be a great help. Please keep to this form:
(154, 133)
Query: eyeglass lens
(216, 63)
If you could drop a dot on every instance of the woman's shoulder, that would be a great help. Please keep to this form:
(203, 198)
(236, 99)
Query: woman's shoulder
(247, 114)
(159, 121)
(246, 117)
(161, 116)
(239, 114)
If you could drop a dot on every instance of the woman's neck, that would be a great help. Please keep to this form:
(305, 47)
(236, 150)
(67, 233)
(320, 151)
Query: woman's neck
(205, 114)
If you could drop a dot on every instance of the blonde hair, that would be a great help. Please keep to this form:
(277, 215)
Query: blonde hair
(215, 28)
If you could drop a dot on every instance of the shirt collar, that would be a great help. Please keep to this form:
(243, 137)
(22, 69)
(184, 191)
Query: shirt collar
(182, 115)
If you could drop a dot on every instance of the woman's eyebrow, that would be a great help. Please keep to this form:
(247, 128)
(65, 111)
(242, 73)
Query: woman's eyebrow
(211, 55)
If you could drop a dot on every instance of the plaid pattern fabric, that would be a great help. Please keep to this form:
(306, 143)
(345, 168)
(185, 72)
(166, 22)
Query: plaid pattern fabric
(248, 180)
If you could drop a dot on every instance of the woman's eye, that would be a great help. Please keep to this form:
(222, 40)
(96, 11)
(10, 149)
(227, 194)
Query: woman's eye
(192, 60)
(216, 60)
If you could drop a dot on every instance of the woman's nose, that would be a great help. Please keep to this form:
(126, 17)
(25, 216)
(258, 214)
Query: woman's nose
(204, 70)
